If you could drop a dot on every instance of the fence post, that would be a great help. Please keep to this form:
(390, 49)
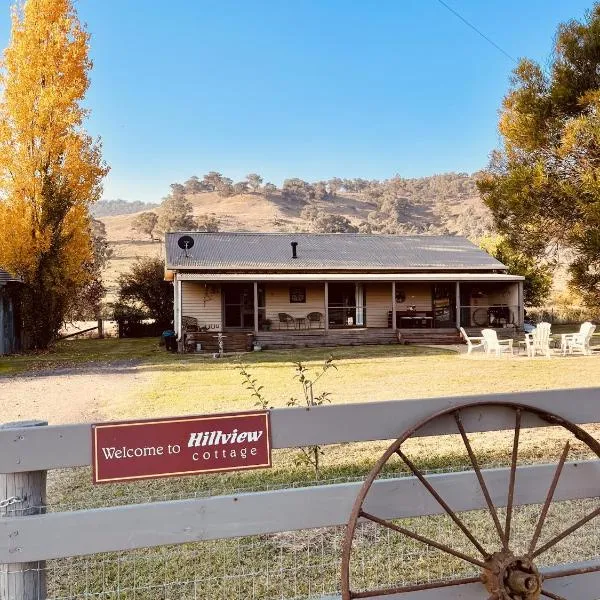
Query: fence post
(21, 495)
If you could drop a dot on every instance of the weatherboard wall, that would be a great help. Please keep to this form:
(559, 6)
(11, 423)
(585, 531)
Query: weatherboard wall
(202, 301)
(277, 300)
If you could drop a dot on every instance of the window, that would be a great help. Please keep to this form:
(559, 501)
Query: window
(297, 295)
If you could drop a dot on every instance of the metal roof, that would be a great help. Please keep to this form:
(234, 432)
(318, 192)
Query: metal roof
(6, 277)
(325, 252)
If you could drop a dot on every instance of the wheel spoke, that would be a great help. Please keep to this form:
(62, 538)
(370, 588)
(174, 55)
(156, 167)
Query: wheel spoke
(553, 596)
(418, 587)
(511, 485)
(423, 540)
(477, 470)
(565, 533)
(546, 507)
(441, 502)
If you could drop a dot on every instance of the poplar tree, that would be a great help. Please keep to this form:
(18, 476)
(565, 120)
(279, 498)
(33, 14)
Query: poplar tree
(50, 169)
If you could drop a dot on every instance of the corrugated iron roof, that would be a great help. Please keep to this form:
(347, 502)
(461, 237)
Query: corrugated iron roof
(325, 251)
(6, 277)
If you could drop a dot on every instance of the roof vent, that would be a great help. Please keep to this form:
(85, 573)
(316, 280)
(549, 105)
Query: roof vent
(294, 246)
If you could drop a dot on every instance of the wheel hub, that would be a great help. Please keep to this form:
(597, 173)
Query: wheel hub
(512, 578)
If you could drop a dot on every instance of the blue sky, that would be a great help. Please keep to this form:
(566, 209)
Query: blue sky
(312, 89)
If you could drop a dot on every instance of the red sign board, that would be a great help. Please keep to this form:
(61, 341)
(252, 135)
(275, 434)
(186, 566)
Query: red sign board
(131, 450)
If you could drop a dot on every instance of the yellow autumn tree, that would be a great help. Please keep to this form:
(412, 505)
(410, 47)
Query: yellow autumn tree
(51, 170)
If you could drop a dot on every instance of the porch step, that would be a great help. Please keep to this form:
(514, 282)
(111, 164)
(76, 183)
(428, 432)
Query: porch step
(232, 342)
(319, 338)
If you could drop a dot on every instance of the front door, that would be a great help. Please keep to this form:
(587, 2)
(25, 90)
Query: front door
(347, 304)
(238, 306)
(444, 304)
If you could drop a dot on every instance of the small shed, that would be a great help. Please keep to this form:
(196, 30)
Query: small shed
(11, 330)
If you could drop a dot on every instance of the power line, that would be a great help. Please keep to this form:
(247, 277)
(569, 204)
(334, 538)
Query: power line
(485, 37)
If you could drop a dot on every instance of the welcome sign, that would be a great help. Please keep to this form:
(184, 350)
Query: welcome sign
(130, 450)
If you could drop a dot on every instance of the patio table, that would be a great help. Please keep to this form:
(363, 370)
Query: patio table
(300, 322)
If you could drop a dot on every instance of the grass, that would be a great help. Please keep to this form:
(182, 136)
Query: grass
(74, 353)
(301, 564)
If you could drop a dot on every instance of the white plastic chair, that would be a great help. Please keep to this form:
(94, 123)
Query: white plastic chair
(578, 342)
(494, 345)
(472, 342)
(539, 340)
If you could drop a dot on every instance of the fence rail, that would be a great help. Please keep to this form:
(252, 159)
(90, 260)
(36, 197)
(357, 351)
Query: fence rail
(63, 446)
(26, 539)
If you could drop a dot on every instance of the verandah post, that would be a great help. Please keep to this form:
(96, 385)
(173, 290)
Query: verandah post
(394, 324)
(326, 296)
(458, 305)
(22, 495)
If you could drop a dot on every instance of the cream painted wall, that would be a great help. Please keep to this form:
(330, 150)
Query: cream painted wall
(202, 301)
(378, 303)
(277, 300)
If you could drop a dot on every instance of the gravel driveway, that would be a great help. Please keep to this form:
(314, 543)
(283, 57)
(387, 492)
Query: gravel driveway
(70, 395)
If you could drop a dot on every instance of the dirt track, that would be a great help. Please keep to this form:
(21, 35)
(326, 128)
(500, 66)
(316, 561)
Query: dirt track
(67, 395)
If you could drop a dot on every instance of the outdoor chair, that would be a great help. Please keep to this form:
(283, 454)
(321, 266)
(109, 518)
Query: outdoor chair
(538, 341)
(578, 342)
(472, 342)
(189, 323)
(287, 320)
(494, 345)
(314, 317)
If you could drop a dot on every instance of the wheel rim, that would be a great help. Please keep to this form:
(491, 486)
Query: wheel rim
(504, 574)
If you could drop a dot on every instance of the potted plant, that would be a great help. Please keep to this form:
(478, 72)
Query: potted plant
(267, 323)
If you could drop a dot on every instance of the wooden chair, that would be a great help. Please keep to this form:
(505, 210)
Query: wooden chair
(494, 345)
(314, 317)
(538, 340)
(578, 342)
(287, 320)
(189, 323)
(472, 342)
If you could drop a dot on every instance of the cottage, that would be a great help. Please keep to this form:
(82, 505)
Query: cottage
(305, 289)
(11, 335)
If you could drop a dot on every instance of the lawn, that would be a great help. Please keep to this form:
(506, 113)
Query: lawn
(300, 564)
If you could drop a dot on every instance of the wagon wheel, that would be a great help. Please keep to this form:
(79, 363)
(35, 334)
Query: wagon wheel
(504, 573)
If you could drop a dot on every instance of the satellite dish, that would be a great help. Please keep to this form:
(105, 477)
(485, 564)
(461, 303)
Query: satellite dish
(185, 242)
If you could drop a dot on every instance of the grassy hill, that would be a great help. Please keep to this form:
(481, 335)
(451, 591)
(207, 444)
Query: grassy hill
(256, 212)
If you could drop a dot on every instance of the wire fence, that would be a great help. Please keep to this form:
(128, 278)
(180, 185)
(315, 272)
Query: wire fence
(307, 564)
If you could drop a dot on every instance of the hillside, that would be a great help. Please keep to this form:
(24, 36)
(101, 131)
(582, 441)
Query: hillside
(460, 214)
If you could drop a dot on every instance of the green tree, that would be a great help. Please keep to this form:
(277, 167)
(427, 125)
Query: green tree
(239, 188)
(210, 224)
(145, 224)
(538, 277)
(176, 215)
(543, 185)
(254, 181)
(143, 291)
(269, 188)
(87, 303)
(212, 180)
(328, 223)
(194, 186)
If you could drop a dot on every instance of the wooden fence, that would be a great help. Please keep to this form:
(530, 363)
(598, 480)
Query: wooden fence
(26, 453)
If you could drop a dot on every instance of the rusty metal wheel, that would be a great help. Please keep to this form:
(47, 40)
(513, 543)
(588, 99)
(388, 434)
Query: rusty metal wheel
(503, 572)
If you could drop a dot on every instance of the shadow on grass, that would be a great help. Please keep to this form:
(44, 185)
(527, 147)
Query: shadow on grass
(114, 356)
